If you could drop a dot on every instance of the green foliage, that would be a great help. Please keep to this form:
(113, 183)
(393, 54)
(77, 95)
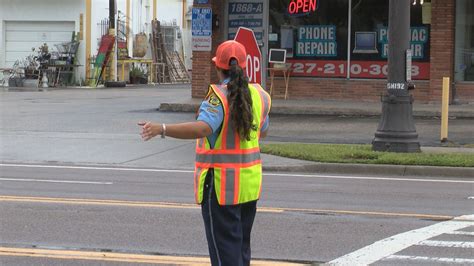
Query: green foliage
(136, 72)
(346, 153)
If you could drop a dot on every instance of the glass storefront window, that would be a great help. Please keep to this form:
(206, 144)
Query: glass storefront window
(369, 39)
(316, 41)
(315, 37)
(464, 43)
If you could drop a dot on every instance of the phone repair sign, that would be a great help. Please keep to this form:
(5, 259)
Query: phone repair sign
(202, 29)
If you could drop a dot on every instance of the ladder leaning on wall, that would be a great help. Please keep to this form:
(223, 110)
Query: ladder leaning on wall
(169, 67)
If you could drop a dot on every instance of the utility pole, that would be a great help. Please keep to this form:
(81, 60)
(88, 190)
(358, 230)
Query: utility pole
(113, 31)
(396, 131)
(111, 14)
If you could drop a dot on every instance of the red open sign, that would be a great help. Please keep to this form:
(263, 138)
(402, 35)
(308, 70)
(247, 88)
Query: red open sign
(302, 6)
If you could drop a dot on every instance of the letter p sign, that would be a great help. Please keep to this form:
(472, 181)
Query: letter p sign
(253, 68)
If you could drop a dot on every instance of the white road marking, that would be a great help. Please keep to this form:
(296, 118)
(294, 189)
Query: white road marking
(376, 178)
(446, 244)
(267, 174)
(468, 218)
(470, 198)
(96, 168)
(430, 259)
(55, 181)
(394, 244)
(461, 233)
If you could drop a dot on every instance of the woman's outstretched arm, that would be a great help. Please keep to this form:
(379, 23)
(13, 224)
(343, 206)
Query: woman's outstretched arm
(189, 130)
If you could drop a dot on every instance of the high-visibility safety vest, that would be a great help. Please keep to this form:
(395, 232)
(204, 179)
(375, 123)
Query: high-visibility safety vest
(236, 162)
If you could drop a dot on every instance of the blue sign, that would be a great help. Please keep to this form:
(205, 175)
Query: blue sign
(202, 2)
(316, 40)
(202, 21)
(419, 37)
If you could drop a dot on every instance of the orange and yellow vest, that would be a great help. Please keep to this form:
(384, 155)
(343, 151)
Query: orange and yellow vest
(236, 162)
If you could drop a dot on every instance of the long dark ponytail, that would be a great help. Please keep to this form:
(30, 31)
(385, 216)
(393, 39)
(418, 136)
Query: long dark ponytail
(240, 101)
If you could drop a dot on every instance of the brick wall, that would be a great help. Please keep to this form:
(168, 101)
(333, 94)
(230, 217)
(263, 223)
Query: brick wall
(201, 74)
(442, 45)
(465, 92)
(339, 89)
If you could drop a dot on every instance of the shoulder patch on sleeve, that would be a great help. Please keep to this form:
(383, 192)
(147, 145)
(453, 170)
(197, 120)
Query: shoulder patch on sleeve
(214, 100)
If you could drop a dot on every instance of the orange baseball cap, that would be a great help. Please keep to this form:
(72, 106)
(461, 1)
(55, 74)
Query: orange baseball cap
(228, 50)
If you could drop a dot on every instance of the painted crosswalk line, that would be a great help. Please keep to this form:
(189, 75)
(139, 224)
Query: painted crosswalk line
(446, 244)
(386, 248)
(430, 259)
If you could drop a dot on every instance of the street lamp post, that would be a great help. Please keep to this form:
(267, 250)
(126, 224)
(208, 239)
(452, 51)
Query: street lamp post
(396, 130)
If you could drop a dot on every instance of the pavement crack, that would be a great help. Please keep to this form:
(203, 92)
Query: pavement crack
(153, 154)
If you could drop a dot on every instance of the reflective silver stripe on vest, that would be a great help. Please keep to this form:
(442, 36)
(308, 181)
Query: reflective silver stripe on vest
(229, 185)
(228, 158)
(230, 140)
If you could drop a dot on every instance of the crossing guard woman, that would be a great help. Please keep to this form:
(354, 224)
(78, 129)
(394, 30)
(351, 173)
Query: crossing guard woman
(228, 170)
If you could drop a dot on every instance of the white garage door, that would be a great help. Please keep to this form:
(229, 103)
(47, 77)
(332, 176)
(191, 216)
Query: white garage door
(22, 36)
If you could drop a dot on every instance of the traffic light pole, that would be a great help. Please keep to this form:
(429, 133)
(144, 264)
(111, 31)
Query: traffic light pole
(396, 131)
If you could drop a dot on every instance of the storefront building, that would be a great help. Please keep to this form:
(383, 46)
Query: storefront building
(338, 49)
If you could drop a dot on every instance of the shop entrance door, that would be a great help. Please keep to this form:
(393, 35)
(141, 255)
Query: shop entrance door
(252, 14)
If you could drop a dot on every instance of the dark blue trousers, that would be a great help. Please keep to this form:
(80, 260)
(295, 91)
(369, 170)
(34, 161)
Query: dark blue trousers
(228, 228)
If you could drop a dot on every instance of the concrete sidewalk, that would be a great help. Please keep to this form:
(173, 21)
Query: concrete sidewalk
(103, 130)
(184, 103)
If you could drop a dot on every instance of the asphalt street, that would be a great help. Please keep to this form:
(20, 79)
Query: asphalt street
(79, 187)
(302, 218)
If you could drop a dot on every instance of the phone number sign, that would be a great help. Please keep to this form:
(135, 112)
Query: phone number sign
(248, 14)
(358, 69)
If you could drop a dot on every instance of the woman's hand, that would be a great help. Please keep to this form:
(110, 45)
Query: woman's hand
(149, 130)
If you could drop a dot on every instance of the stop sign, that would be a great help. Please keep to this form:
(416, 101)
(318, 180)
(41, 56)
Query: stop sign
(246, 37)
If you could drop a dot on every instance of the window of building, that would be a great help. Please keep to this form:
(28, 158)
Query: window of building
(464, 43)
(317, 40)
(369, 39)
(314, 35)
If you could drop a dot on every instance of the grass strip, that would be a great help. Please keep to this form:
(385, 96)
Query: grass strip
(350, 153)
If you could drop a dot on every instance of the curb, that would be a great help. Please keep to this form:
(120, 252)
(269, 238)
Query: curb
(179, 107)
(373, 169)
(287, 110)
(314, 168)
